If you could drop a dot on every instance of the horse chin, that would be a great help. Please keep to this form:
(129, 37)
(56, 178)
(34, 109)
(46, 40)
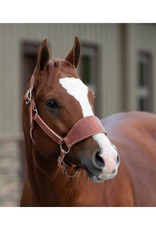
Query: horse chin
(100, 178)
(96, 179)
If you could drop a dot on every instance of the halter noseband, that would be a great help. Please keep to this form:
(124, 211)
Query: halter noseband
(84, 128)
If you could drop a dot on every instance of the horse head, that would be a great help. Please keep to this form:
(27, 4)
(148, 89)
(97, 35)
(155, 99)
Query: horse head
(60, 106)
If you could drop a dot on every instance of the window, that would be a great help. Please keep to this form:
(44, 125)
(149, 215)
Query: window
(88, 65)
(89, 71)
(144, 82)
(28, 56)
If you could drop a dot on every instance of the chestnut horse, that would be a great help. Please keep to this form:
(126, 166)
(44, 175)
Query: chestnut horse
(70, 158)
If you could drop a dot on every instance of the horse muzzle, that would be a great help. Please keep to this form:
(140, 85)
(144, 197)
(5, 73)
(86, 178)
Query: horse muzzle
(104, 163)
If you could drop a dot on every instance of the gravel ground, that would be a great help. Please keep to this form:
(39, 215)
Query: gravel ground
(10, 175)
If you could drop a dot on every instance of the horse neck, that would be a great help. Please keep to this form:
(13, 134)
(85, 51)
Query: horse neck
(48, 184)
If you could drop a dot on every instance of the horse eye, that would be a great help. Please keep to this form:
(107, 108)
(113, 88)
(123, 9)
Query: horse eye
(52, 104)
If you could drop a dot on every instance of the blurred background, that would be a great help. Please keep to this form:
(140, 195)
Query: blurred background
(118, 61)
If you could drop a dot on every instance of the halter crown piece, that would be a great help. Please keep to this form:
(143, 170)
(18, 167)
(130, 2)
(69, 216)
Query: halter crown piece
(77, 133)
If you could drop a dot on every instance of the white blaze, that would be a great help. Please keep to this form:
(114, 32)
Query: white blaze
(76, 88)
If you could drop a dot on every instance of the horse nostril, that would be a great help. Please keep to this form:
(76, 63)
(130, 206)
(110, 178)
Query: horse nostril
(117, 160)
(114, 171)
(98, 160)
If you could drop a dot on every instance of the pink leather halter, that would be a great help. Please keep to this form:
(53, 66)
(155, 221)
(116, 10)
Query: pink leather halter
(84, 128)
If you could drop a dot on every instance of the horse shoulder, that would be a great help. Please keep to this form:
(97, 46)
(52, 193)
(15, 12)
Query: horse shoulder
(134, 135)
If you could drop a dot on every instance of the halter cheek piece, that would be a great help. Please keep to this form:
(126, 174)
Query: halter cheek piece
(84, 128)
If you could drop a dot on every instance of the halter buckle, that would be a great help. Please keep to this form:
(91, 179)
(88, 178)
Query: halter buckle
(35, 110)
(67, 169)
(28, 96)
(74, 173)
(61, 157)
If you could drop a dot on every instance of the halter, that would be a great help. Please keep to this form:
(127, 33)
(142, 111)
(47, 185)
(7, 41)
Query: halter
(84, 128)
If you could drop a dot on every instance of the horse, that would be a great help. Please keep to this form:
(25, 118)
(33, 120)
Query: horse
(71, 159)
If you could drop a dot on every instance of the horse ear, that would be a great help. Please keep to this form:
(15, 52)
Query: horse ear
(43, 57)
(74, 54)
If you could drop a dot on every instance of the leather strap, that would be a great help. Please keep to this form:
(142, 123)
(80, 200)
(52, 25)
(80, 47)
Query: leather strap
(84, 128)
(51, 133)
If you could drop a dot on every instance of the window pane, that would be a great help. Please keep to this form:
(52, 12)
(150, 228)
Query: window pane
(86, 69)
(142, 74)
(144, 82)
(141, 104)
